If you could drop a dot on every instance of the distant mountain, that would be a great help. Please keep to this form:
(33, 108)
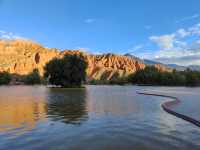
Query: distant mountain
(177, 67)
(195, 67)
(151, 62)
(134, 57)
(160, 66)
(145, 61)
(182, 68)
(172, 66)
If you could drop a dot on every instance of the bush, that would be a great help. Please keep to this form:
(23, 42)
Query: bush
(70, 71)
(5, 78)
(33, 78)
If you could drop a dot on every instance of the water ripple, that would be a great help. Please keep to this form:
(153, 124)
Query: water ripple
(98, 117)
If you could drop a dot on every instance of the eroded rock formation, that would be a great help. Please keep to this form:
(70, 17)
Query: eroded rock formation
(22, 56)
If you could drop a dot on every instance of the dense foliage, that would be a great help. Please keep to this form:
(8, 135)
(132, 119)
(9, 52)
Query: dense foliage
(70, 71)
(33, 78)
(5, 78)
(152, 76)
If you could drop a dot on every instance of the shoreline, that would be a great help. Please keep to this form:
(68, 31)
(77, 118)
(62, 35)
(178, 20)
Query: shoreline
(166, 107)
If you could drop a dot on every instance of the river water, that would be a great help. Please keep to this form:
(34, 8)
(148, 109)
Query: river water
(95, 118)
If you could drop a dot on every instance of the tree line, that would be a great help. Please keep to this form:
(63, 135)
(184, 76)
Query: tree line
(152, 76)
(29, 79)
(70, 71)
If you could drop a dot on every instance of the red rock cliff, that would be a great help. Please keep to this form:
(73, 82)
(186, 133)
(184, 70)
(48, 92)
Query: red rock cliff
(21, 57)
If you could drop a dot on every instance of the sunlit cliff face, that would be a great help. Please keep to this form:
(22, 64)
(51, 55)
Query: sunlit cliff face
(22, 57)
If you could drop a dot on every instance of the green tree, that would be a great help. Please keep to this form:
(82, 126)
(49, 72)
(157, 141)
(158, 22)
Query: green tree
(150, 75)
(5, 78)
(69, 71)
(33, 78)
(192, 77)
(178, 78)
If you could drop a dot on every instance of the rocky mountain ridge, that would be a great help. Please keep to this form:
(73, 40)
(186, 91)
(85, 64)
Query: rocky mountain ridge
(22, 56)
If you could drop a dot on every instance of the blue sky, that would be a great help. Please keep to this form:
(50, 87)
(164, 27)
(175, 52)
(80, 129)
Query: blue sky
(167, 31)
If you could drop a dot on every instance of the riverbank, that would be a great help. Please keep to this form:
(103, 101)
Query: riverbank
(169, 104)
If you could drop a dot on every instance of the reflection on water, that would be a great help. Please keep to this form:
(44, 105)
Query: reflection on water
(118, 102)
(23, 109)
(69, 106)
(20, 112)
(97, 117)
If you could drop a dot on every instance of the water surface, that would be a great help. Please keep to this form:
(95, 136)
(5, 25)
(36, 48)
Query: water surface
(97, 117)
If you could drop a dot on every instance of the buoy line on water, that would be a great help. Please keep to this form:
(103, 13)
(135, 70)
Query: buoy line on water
(166, 107)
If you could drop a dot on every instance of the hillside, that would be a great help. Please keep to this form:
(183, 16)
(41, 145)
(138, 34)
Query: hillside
(21, 57)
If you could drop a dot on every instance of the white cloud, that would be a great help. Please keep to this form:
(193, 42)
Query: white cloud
(183, 60)
(180, 44)
(136, 48)
(172, 53)
(178, 47)
(9, 35)
(2, 32)
(84, 49)
(87, 50)
(90, 20)
(182, 33)
(195, 46)
(144, 55)
(183, 54)
(194, 16)
(195, 30)
(170, 41)
(164, 41)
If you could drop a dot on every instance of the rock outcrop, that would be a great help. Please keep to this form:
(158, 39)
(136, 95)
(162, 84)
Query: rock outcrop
(110, 66)
(22, 56)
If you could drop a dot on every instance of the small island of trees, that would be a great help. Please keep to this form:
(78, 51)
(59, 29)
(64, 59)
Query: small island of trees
(67, 72)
